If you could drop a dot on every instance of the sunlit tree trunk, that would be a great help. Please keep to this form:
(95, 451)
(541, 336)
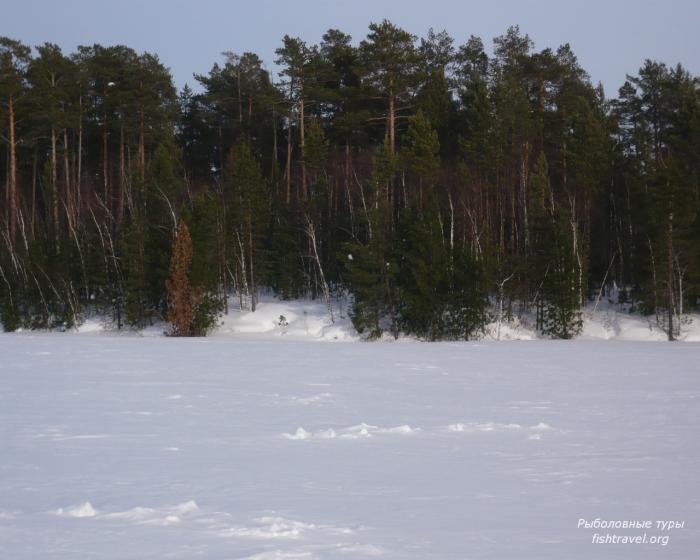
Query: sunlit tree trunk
(391, 122)
(142, 148)
(302, 143)
(79, 174)
(288, 169)
(54, 188)
(12, 176)
(105, 161)
(70, 203)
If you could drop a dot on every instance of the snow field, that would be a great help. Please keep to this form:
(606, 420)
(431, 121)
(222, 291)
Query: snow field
(265, 447)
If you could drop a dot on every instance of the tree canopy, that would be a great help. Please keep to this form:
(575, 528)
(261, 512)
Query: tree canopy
(440, 187)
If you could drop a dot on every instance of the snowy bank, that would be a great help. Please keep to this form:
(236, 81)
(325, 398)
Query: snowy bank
(305, 319)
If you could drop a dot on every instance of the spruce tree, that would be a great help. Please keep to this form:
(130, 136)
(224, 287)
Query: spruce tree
(371, 273)
(424, 280)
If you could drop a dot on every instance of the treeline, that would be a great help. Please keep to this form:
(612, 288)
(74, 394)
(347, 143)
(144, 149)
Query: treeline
(441, 187)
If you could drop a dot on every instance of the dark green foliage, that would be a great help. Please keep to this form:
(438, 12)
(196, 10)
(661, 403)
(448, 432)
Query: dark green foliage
(555, 264)
(465, 187)
(286, 273)
(561, 290)
(471, 285)
(370, 274)
(205, 271)
(425, 277)
(137, 308)
(443, 289)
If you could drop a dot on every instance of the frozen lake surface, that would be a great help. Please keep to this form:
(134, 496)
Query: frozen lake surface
(123, 447)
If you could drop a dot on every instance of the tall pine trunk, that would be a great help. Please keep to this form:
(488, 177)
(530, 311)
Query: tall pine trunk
(105, 163)
(391, 122)
(12, 178)
(70, 204)
(79, 173)
(302, 143)
(54, 189)
(288, 169)
(142, 148)
(33, 211)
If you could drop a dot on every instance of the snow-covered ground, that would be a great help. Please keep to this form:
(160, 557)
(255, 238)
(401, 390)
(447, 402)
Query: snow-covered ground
(269, 446)
(307, 319)
(310, 319)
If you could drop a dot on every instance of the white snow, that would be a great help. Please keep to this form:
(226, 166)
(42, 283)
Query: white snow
(276, 446)
(607, 322)
(291, 319)
(361, 430)
(309, 319)
(81, 510)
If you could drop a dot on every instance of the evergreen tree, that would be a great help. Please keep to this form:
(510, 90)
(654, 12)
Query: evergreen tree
(390, 59)
(425, 276)
(421, 154)
(371, 272)
(462, 185)
(14, 58)
(562, 304)
(206, 274)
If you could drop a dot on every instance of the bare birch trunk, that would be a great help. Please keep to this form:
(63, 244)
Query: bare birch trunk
(347, 187)
(311, 233)
(523, 194)
(253, 295)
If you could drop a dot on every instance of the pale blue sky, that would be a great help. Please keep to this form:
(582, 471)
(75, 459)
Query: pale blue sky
(610, 38)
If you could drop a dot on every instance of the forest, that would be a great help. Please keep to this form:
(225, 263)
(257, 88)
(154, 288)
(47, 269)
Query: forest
(430, 184)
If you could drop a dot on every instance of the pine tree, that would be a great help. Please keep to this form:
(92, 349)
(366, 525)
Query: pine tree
(390, 57)
(14, 58)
